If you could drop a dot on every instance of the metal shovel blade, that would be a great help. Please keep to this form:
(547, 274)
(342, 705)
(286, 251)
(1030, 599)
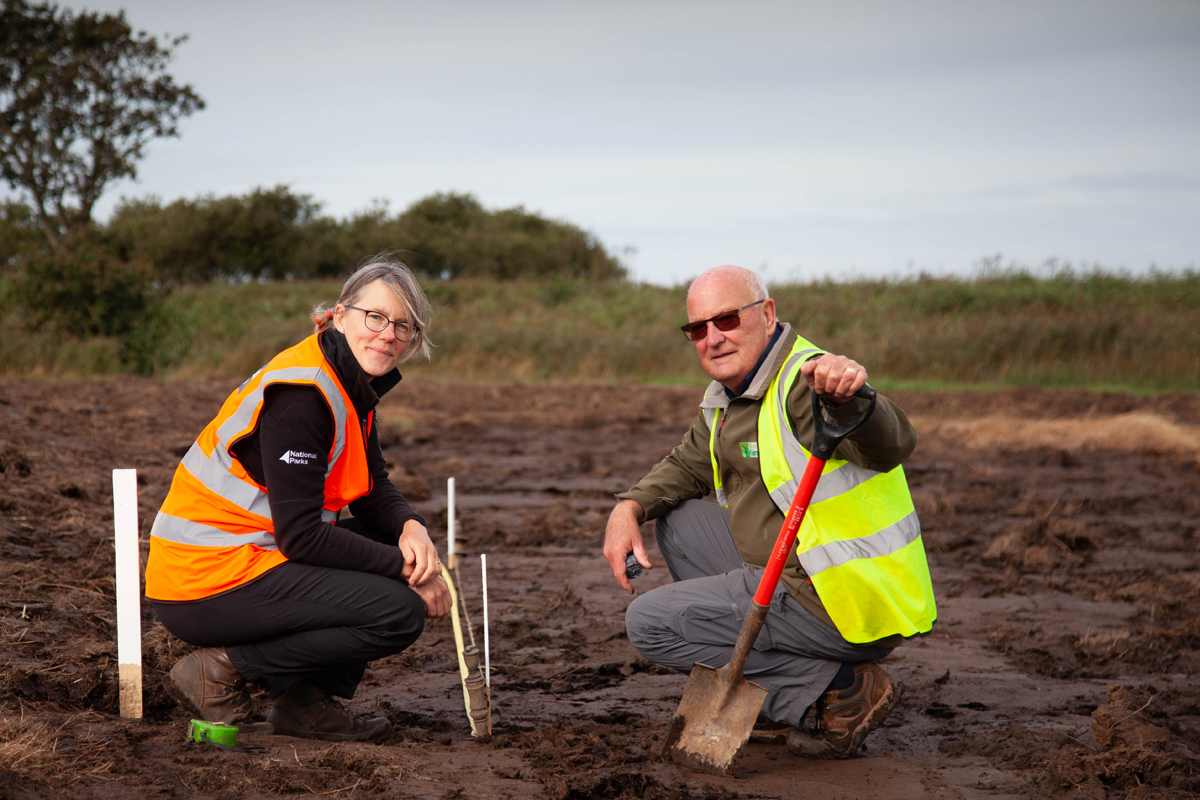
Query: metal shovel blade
(714, 720)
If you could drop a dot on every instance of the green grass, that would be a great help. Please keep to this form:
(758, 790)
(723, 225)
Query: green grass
(1097, 330)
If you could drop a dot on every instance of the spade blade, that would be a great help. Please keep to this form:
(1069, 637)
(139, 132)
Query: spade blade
(713, 723)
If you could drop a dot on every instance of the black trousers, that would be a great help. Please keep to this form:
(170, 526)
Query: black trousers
(303, 623)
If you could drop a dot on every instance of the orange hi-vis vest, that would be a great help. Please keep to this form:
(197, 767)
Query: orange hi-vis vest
(214, 531)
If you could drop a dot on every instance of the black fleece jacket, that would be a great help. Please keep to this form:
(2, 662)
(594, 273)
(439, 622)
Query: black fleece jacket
(296, 419)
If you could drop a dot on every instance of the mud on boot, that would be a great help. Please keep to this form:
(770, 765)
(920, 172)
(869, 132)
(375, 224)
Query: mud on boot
(207, 681)
(311, 713)
(768, 731)
(845, 717)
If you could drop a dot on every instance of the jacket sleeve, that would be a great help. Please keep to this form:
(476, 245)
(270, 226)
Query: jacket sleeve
(383, 509)
(881, 444)
(297, 419)
(685, 474)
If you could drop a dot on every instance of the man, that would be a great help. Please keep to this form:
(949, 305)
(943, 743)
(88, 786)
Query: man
(829, 623)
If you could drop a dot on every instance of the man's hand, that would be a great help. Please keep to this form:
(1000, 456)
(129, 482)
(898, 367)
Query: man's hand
(436, 596)
(835, 377)
(420, 556)
(623, 535)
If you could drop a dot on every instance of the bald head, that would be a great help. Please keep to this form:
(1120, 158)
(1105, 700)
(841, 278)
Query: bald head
(732, 276)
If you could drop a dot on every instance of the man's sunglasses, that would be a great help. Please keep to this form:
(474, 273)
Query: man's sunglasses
(726, 321)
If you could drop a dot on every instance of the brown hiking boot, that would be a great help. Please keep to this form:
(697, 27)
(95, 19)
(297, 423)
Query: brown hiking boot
(311, 713)
(207, 681)
(844, 718)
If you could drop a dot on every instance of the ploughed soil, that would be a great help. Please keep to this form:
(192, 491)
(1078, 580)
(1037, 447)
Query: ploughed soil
(1061, 527)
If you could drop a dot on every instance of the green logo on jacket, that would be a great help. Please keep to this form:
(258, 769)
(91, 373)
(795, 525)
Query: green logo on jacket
(749, 449)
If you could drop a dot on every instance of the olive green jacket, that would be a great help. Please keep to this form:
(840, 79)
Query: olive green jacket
(881, 444)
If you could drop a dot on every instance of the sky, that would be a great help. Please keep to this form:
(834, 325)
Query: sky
(804, 140)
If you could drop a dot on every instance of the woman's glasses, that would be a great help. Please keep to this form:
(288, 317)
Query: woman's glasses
(379, 323)
(727, 321)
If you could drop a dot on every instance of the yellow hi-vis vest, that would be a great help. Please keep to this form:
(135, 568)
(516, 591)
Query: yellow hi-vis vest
(860, 541)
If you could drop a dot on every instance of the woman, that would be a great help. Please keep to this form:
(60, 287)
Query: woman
(247, 558)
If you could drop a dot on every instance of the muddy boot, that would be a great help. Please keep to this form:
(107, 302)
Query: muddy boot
(207, 681)
(844, 718)
(768, 731)
(311, 713)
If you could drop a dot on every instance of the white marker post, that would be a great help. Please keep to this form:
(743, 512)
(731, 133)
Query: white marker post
(487, 646)
(129, 592)
(450, 557)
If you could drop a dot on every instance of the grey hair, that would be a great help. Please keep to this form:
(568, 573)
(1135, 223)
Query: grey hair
(396, 275)
(750, 279)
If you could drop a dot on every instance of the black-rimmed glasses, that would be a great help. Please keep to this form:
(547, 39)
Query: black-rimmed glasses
(405, 331)
(725, 321)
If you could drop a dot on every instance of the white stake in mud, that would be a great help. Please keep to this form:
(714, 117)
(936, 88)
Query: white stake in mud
(129, 592)
(450, 557)
(487, 646)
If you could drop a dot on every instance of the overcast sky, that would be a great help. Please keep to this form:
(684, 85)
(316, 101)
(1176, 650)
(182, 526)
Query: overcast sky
(801, 139)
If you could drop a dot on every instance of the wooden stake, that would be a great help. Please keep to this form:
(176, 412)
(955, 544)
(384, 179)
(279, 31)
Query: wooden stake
(466, 617)
(129, 592)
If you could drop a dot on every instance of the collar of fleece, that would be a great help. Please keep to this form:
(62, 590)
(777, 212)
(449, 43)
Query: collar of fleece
(364, 390)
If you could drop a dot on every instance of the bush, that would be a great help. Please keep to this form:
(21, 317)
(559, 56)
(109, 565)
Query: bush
(273, 233)
(19, 233)
(453, 236)
(268, 233)
(89, 293)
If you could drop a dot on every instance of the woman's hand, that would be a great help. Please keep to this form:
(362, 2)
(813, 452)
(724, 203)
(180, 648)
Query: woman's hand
(420, 556)
(436, 596)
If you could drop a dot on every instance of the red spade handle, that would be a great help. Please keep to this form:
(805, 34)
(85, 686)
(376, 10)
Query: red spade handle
(787, 534)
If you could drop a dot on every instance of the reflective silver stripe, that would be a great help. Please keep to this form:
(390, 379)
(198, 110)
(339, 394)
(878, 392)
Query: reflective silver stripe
(184, 531)
(239, 420)
(833, 483)
(838, 482)
(213, 472)
(785, 386)
(885, 542)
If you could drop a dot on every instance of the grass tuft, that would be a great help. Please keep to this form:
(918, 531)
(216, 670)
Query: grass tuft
(35, 751)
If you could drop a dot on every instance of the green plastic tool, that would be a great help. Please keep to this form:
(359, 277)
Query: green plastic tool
(212, 733)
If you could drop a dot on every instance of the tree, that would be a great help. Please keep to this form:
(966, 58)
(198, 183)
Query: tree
(80, 97)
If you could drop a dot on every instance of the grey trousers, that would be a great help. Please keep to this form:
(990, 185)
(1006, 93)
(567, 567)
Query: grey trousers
(697, 618)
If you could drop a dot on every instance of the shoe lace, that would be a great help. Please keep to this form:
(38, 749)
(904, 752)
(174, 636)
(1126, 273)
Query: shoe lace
(329, 702)
(238, 689)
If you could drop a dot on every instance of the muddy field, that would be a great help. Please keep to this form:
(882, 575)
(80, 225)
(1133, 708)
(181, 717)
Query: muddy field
(1061, 527)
